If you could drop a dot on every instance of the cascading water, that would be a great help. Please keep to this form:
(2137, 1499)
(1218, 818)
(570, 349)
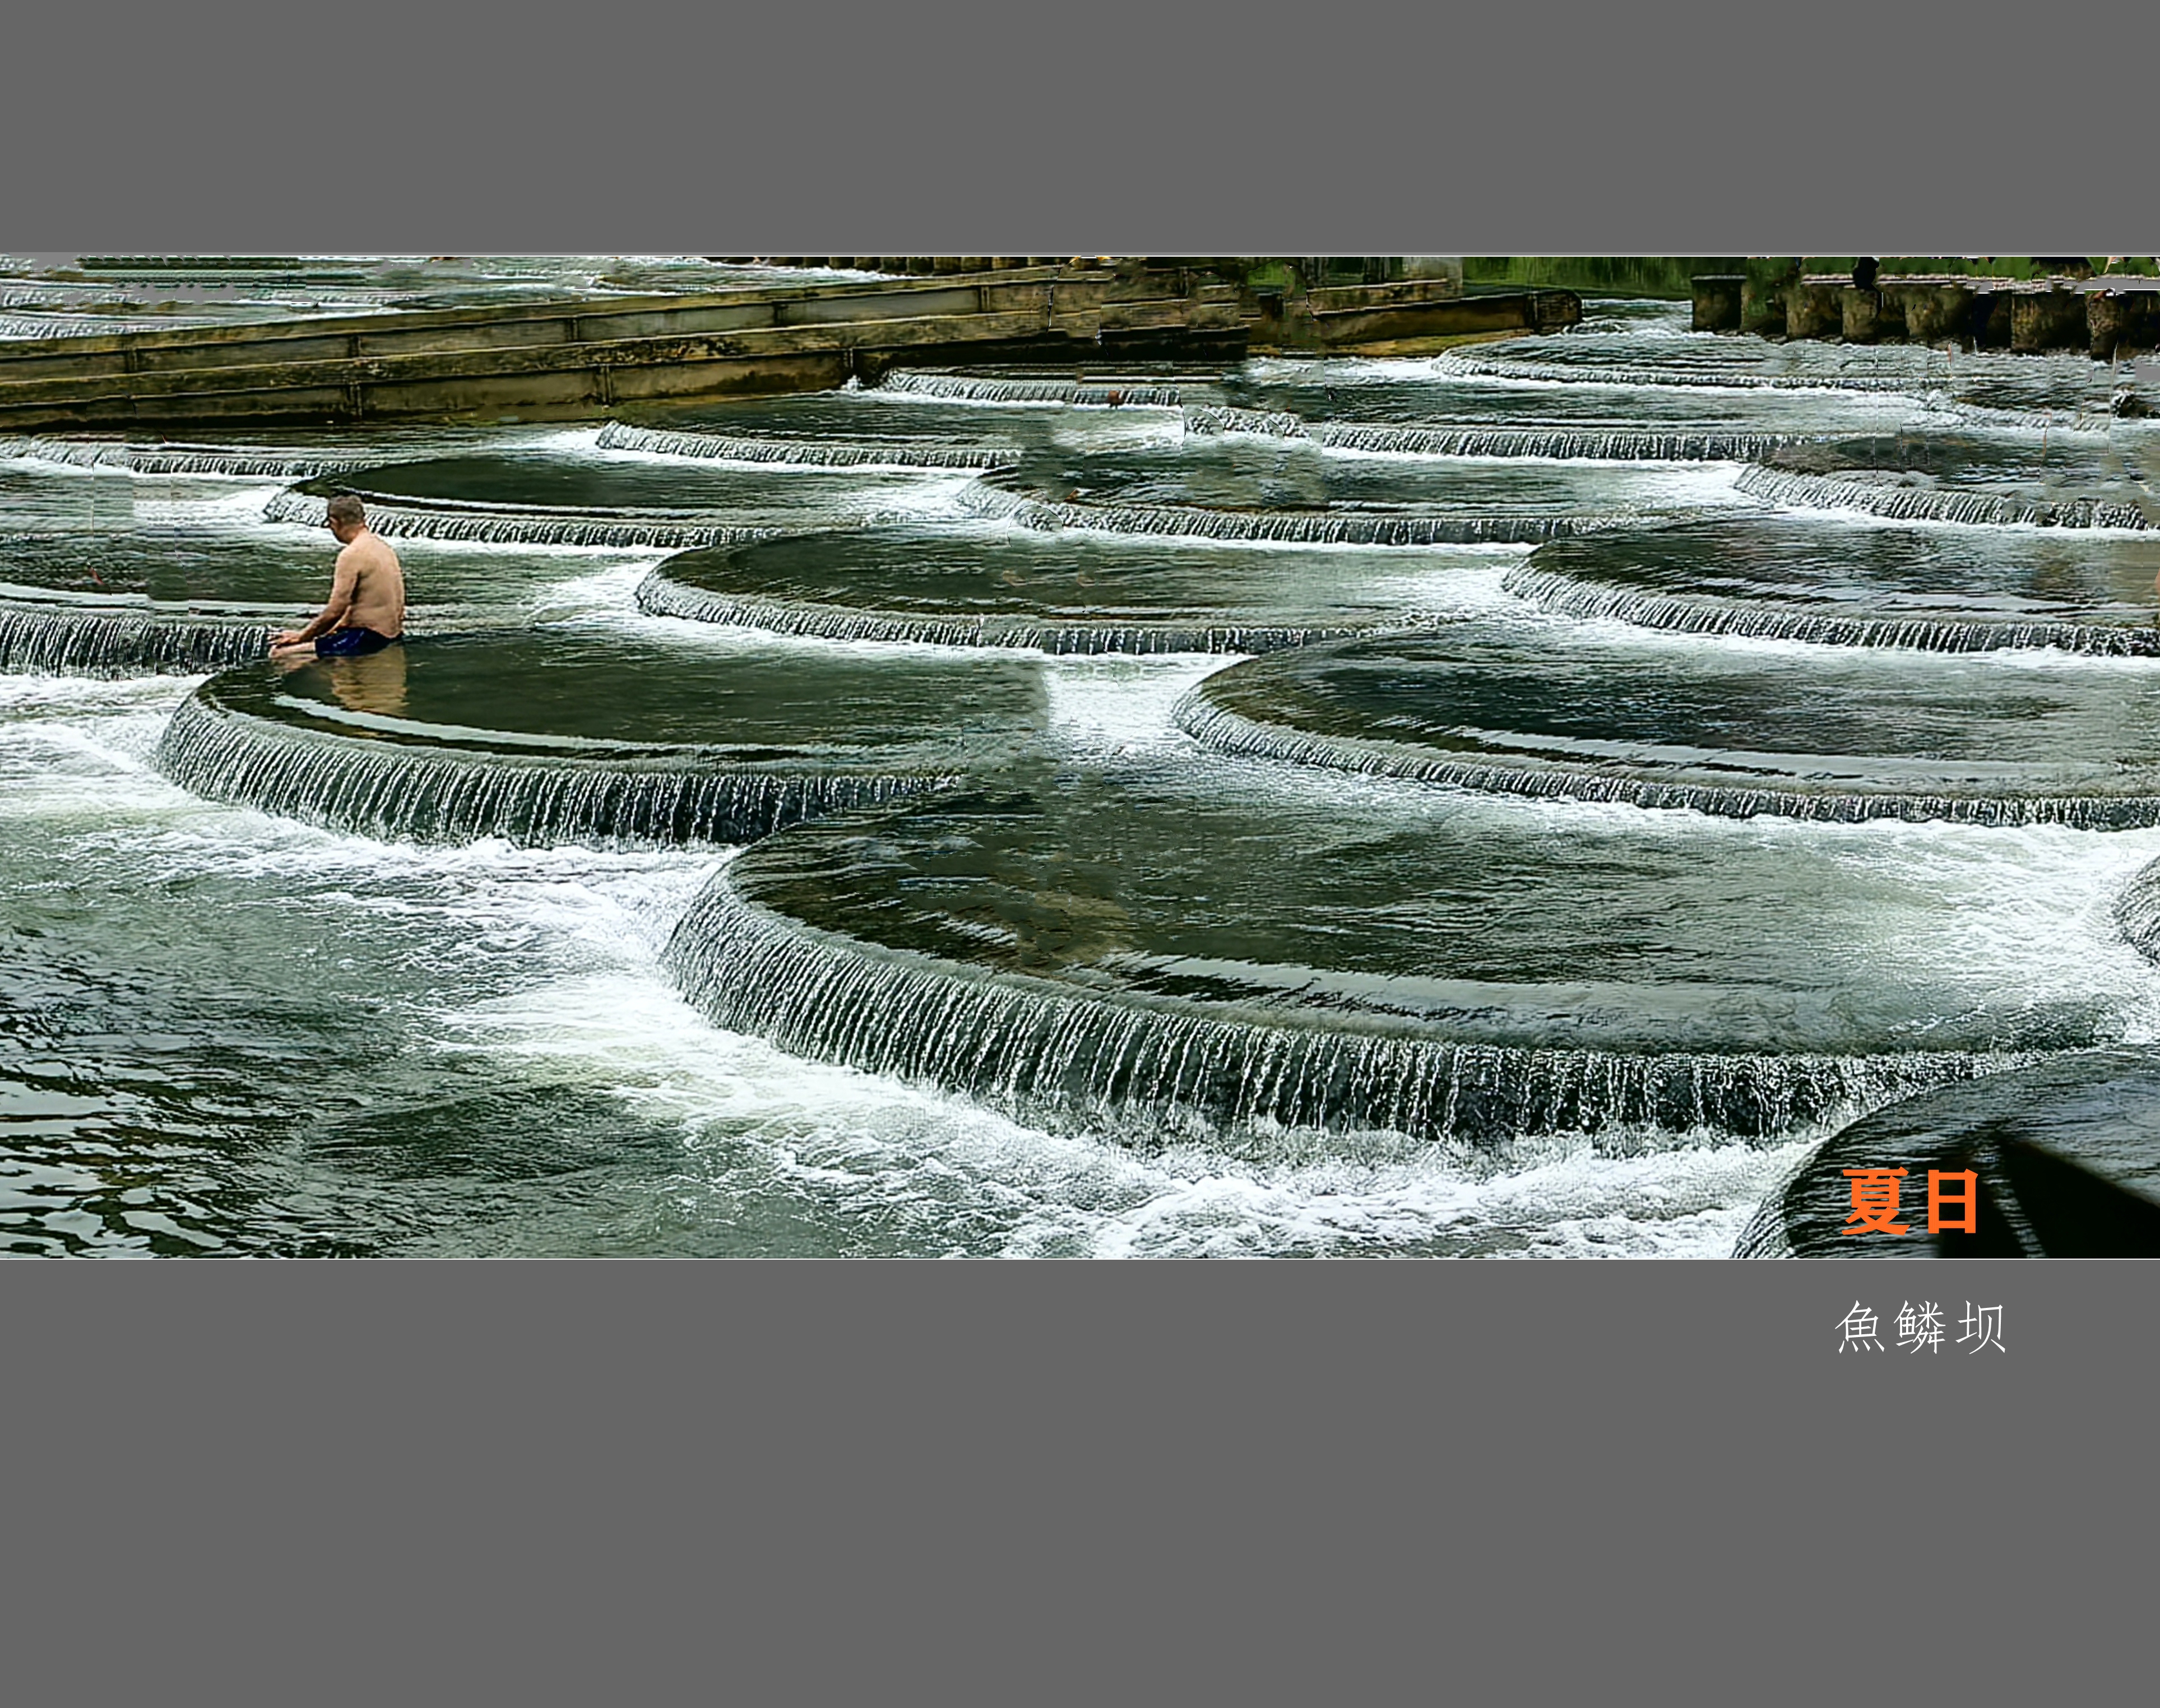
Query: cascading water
(1310, 963)
(180, 459)
(984, 388)
(946, 584)
(557, 736)
(1463, 363)
(809, 453)
(378, 789)
(1838, 739)
(1566, 595)
(1905, 503)
(661, 595)
(61, 640)
(1337, 529)
(1555, 443)
(1841, 581)
(1039, 1050)
(527, 524)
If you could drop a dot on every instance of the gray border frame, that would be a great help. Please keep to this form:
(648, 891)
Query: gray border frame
(832, 1481)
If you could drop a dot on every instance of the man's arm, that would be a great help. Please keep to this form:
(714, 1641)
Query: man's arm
(345, 582)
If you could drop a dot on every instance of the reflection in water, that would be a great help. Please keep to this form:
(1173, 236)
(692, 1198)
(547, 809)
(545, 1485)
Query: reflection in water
(375, 684)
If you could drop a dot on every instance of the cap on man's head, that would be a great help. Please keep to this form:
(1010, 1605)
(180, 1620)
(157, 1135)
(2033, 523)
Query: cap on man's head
(346, 507)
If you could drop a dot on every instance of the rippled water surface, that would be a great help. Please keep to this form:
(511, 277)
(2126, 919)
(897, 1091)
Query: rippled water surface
(239, 1025)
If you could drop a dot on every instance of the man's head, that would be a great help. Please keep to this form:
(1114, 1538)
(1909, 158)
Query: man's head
(347, 517)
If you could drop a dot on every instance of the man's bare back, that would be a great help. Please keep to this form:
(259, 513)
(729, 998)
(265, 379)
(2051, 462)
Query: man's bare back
(378, 585)
(366, 607)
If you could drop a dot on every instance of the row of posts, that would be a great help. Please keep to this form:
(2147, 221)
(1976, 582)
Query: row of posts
(902, 263)
(2002, 314)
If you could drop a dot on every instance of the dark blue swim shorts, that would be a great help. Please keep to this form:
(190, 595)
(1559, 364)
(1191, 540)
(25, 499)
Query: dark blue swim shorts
(353, 643)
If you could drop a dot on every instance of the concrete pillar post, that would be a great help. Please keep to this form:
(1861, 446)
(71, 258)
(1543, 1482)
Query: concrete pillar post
(1860, 315)
(1934, 312)
(1811, 310)
(2107, 319)
(2050, 320)
(1717, 301)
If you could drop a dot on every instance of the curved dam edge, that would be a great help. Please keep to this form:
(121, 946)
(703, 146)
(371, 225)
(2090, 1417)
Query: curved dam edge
(989, 497)
(528, 525)
(660, 594)
(998, 388)
(403, 793)
(1497, 367)
(2137, 911)
(869, 453)
(1934, 504)
(2067, 1154)
(1227, 731)
(131, 459)
(1566, 595)
(1033, 1046)
(87, 639)
(1525, 444)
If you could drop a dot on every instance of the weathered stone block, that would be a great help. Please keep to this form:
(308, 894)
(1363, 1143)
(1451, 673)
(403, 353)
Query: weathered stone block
(1717, 301)
(2054, 319)
(1812, 311)
(1860, 315)
(1935, 313)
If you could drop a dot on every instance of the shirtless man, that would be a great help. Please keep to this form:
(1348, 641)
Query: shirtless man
(366, 608)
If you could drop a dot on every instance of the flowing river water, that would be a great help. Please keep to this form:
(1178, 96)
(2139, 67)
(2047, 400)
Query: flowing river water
(1516, 802)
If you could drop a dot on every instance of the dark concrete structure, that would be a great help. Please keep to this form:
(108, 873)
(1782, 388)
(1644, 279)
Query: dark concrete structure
(2103, 315)
(582, 360)
(1717, 301)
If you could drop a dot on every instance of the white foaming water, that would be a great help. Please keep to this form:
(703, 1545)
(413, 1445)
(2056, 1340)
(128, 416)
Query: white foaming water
(1105, 705)
(873, 1165)
(936, 1173)
(1111, 430)
(1440, 582)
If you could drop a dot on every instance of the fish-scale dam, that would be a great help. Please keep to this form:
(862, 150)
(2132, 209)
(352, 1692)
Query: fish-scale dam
(1845, 737)
(1520, 797)
(979, 584)
(545, 736)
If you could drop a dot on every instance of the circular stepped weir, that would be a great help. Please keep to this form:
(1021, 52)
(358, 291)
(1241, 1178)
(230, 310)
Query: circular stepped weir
(2137, 912)
(1847, 583)
(922, 453)
(598, 500)
(52, 636)
(1677, 359)
(1438, 439)
(1917, 498)
(1249, 487)
(549, 736)
(1426, 395)
(166, 599)
(1631, 370)
(1133, 389)
(859, 412)
(1144, 951)
(2067, 1153)
(251, 461)
(128, 601)
(1839, 737)
(960, 585)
